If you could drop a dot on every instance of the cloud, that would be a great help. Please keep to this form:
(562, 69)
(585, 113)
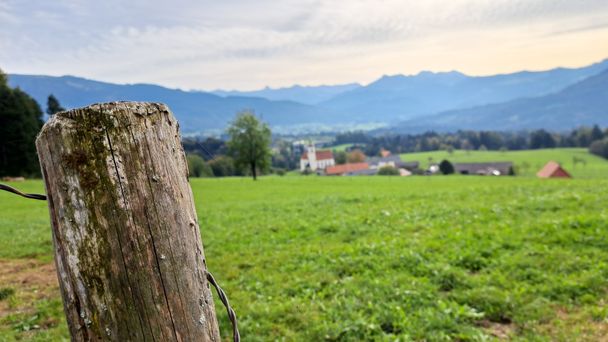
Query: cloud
(247, 44)
(584, 28)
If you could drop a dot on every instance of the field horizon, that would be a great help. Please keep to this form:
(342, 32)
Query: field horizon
(526, 162)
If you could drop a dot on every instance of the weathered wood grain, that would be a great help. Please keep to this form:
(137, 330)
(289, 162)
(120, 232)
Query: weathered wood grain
(127, 242)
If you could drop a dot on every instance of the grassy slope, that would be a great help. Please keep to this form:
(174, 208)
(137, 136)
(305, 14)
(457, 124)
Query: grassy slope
(535, 159)
(373, 258)
(340, 148)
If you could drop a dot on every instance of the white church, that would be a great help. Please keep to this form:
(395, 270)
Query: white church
(316, 160)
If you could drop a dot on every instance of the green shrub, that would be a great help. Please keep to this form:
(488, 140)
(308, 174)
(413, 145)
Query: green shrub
(446, 167)
(197, 166)
(388, 171)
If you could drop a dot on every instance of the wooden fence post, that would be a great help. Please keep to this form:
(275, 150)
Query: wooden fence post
(127, 242)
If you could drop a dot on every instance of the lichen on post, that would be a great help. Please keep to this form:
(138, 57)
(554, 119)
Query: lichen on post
(127, 243)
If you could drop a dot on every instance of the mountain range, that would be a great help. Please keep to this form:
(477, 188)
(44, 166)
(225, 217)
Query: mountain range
(585, 102)
(311, 95)
(556, 99)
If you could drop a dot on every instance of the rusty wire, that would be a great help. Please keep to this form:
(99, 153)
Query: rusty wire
(17, 192)
(236, 336)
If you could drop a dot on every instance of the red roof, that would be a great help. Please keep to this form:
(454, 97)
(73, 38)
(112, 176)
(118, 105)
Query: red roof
(553, 170)
(344, 168)
(321, 155)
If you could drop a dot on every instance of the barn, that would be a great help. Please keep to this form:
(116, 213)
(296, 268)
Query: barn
(485, 169)
(553, 170)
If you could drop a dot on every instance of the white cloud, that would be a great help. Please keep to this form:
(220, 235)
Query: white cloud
(246, 44)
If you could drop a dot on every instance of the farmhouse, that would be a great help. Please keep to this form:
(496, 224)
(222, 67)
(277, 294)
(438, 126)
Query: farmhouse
(346, 169)
(378, 162)
(363, 172)
(316, 160)
(484, 169)
(553, 170)
(394, 161)
(410, 166)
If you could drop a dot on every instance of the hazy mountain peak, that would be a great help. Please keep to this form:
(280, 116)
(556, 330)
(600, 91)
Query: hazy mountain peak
(304, 94)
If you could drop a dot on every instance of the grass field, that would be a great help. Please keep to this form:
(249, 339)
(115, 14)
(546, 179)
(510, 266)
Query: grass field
(527, 162)
(340, 148)
(367, 258)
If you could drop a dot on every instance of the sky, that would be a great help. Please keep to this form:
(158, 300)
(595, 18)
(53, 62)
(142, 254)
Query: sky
(247, 44)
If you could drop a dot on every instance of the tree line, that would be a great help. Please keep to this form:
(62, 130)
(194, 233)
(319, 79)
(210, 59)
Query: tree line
(593, 138)
(209, 157)
(20, 122)
(21, 118)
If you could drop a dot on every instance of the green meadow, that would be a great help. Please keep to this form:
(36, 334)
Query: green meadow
(526, 162)
(339, 148)
(435, 258)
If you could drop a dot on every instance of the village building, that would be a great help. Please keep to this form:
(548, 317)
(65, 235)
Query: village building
(484, 169)
(316, 160)
(553, 170)
(394, 161)
(363, 172)
(379, 162)
(404, 173)
(410, 166)
(385, 153)
(347, 169)
(432, 169)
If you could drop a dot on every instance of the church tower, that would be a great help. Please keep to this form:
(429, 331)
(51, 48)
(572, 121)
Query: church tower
(312, 156)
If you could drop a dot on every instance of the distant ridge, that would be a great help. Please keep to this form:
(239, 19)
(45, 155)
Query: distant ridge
(311, 95)
(406, 102)
(196, 111)
(406, 97)
(583, 103)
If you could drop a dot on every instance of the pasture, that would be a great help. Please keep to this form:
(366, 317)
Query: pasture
(526, 162)
(367, 258)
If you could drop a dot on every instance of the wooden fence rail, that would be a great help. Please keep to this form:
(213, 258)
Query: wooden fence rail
(127, 242)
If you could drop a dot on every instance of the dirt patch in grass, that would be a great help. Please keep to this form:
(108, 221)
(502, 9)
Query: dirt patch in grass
(499, 330)
(30, 281)
(575, 324)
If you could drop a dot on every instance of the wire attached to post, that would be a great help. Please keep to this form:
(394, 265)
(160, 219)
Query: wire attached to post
(17, 192)
(236, 336)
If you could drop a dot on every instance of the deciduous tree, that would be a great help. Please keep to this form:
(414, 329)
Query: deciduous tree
(340, 157)
(356, 156)
(249, 143)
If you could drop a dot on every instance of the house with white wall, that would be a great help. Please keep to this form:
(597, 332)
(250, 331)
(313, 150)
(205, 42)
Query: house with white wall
(316, 160)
